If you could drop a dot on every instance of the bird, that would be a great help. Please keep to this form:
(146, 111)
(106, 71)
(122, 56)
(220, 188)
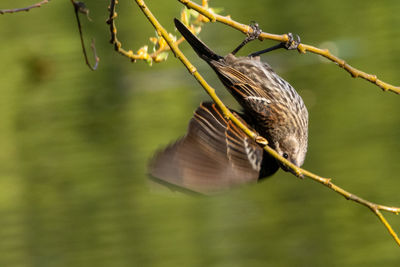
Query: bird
(215, 155)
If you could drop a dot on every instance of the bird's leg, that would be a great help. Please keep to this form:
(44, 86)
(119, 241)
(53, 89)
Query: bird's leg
(289, 45)
(256, 31)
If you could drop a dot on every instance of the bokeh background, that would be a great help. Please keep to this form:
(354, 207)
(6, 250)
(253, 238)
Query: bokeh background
(75, 144)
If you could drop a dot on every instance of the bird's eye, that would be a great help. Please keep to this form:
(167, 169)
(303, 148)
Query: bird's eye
(285, 155)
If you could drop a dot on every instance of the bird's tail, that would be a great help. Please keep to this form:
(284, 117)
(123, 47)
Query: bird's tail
(201, 49)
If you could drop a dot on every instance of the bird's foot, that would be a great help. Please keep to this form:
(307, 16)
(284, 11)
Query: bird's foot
(292, 44)
(251, 35)
(255, 31)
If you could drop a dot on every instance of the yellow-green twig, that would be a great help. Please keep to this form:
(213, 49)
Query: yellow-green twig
(353, 71)
(302, 48)
(142, 53)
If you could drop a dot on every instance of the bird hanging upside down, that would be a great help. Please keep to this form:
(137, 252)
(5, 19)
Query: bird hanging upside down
(215, 155)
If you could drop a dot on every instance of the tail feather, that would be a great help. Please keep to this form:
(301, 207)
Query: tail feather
(201, 49)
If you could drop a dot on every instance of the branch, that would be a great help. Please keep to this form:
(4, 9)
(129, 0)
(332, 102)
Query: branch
(261, 140)
(302, 48)
(79, 7)
(4, 11)
(114, 40)
(161, 47)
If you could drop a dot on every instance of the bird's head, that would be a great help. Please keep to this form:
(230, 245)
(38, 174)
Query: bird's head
(293, 149)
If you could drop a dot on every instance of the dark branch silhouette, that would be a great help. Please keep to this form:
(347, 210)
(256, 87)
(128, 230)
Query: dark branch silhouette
(4, 11)
(80, 7)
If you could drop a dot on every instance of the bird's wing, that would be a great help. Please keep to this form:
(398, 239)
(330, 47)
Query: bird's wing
(213, 156)
(235, 79)
(248, 90)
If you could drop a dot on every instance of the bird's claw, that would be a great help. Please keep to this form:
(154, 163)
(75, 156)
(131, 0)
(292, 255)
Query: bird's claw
(255, 33)
(292, 44)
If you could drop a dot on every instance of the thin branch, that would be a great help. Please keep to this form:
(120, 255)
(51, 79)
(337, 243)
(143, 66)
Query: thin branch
(4, 11)
(79, 7)
(142, 53)
(375, 208)
(302, 48)
(261, 140)
(114, 40)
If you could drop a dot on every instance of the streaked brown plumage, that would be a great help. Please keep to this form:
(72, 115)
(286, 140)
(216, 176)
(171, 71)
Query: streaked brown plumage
(212, 156)
(215, 155)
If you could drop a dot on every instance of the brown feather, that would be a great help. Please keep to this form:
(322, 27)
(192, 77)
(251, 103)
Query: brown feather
(213, 156)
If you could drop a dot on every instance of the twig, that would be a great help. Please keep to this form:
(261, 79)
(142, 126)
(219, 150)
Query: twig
(4, 11)
(79, 7)
(261, 140)
(375, 208)
(114, 40)
(302, 48)
(142, 53)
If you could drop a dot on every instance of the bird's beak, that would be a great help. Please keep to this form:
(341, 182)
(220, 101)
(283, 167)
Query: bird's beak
(287, 169)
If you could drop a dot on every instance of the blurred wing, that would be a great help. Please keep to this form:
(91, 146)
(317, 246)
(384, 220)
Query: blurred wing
(213, 156)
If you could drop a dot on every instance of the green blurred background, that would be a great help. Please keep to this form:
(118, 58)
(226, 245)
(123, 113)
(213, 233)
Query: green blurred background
(75, 144)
